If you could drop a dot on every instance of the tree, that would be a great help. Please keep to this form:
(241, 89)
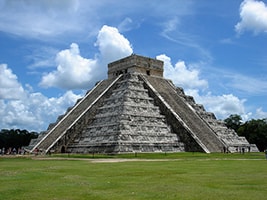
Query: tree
(255, 132)
(234, 121)
(16, 138)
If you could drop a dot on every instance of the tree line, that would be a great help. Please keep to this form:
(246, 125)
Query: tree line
(16, 138)
(254, 130)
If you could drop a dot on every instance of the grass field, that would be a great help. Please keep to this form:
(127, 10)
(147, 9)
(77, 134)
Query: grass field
(139, 176)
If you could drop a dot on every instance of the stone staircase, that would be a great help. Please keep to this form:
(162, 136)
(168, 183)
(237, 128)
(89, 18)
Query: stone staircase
(233, 142)
(196, 127)
(128, 121)
(71, 118)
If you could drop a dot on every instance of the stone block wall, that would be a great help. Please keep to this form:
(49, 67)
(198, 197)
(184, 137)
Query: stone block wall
(136, 64)
(128, 121)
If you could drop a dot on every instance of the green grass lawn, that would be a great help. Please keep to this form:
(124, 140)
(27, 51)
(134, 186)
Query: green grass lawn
(174, 176)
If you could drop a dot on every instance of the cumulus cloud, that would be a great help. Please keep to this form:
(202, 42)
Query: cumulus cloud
(221, 105)
(73, 71)
(225, 105)
(181, 75)
(76, 72)
(25, 109)
(112, 45)
(34, 110)
(10, 88)
(253, 16)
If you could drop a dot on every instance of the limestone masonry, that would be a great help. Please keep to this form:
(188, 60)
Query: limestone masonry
(137, 110)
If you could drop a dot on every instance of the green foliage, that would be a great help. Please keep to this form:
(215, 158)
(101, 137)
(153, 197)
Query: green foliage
(15, 138)
(233, 121)
(255, 132)
(191, 176)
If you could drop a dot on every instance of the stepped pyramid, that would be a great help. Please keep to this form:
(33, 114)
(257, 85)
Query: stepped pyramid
(137, 110)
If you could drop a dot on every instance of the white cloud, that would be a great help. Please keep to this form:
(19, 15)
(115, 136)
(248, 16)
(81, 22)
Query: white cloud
(225, 105)
(25, 109)
(112, 45)
(221, 105)
(34, 111)
(181, 75)
(260, 114)
(10, 88)
(253, 16)
(75, 72)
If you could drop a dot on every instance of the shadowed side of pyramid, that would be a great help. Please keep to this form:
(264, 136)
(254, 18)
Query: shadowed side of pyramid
(182, 115)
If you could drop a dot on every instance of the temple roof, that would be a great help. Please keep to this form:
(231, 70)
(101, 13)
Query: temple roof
(136, 64)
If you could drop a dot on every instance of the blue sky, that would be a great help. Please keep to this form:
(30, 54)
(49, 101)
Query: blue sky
(52, 52)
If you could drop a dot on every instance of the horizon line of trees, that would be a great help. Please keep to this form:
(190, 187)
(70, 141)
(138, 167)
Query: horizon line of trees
(15, 138)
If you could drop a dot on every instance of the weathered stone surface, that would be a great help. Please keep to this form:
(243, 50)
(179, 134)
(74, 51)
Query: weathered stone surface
(68, 125)
(136, 64)
(127, 122)
(137, 110)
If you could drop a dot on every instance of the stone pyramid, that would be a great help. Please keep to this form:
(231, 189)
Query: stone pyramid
(137, 110)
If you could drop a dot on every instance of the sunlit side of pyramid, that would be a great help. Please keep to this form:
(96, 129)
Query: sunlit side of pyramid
(137, 110)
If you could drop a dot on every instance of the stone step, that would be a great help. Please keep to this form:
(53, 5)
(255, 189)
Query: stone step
(128, 115)
(199, 130)
(73, 115)
(128, 148)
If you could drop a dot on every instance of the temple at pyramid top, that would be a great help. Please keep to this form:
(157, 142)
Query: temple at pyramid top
(137, 110)
(136, 63)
